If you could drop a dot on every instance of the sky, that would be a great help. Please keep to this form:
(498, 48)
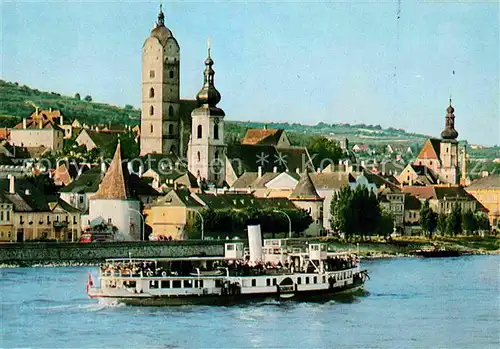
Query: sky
(305, 62)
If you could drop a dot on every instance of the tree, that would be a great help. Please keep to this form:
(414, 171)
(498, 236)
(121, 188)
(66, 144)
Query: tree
(77, 96)
(88, 98)
(441, 223)
(324, 151)
(454, 220)
(428, 218)
(482, 222)
(386, 223)
(469, 223)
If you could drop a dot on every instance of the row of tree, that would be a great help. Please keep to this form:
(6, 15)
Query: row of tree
(233, 223)
(454, 223)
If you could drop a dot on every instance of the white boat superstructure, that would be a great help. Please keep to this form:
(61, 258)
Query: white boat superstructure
(272, 270)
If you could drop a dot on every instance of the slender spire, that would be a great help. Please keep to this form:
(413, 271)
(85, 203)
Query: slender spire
(161, 17)
(449, 131)
(208, 93)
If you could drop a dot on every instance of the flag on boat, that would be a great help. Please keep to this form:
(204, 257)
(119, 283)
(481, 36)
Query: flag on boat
(90, 283)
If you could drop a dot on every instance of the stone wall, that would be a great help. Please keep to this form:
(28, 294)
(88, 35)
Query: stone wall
(60, 253)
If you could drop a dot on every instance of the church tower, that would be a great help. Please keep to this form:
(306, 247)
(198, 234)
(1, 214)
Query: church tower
(160, 105)
(206, 148)
(448, 152)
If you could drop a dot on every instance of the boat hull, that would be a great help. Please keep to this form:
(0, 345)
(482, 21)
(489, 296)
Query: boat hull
(179, 300)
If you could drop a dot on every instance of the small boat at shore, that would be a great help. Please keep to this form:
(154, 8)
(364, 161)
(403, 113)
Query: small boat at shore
(436, 252)
(272, 270)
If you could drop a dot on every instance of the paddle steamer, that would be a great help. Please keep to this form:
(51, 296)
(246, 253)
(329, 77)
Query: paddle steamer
(272, 269)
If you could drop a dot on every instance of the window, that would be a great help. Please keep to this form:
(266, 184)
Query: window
(274, 282)
(307, 279)
(216, 131)
(216, 155)
(151, 74)
(218, 283)
(315, 280)
(170, 111)
(200, 132)
(171, 74)
(48, 219)
(1, 215)
(153, 284)
(7, 216)
(151, 93)
(81, 199)
(199, 156)
(324, 279)
(268, 282)
(188, 283)
(176, 284)
(201, 283)
(165, 284)
(151, 128)
(74, 219)
(151, 110)
(299, 280)
(254, 282)
(170, 129)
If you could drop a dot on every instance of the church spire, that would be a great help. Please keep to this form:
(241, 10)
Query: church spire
(449, 131)
(161, 17)
(208, 93)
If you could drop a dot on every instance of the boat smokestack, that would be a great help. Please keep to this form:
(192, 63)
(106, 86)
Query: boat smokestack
(254, 241)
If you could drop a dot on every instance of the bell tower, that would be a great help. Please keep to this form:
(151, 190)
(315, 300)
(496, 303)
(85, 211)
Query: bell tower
(448, 152)
(160, 105)
(206, 148)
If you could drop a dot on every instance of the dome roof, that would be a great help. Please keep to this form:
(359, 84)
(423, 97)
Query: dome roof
(208, 93)
(162, 33)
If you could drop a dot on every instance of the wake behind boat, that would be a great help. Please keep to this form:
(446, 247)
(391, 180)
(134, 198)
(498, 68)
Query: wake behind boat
(274, 270)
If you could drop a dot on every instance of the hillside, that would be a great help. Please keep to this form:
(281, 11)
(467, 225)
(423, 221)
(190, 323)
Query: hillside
(16, 102)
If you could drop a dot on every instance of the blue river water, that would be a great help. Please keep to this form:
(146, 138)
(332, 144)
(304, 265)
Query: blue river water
(410, 303)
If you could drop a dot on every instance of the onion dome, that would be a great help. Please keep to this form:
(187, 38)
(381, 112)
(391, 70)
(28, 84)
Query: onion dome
(161, 32)
(449, 131)
(208, 94)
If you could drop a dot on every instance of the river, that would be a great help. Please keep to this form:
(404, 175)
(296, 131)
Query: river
(410, 303)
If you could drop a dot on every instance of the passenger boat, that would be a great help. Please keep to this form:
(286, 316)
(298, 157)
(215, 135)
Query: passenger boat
(436, 252)
(269, 270)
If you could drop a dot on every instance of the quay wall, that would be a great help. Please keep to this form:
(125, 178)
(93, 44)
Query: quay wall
(26, 254)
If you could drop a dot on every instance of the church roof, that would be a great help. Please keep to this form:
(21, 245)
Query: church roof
(304, 190)
(160, 31)
(113, 185)
(267, 136)
(430, 150)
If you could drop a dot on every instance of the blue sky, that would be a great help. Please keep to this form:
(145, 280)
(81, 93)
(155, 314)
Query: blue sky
(277, 61)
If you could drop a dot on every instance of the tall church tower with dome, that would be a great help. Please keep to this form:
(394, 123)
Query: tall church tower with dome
(160, 104)
(449, 149)
(206, 148)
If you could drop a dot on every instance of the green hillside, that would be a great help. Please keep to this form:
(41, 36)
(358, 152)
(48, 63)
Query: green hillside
(16, 102)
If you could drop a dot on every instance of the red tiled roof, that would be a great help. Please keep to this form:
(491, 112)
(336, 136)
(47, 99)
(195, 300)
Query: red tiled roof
(430, 150)
(268, 136)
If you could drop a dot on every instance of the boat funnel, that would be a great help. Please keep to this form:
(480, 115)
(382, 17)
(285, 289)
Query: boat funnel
(254, 241)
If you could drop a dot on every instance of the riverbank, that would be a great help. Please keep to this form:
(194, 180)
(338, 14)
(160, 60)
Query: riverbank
(73, 254)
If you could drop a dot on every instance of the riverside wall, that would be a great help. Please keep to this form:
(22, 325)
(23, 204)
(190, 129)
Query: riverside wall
(26, 254)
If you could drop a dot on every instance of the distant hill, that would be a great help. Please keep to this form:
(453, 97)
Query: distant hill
(17, 101)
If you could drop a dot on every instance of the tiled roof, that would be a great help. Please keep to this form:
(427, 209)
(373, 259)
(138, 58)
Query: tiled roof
(34, 201)
(331, 180)
(38, 124)
(304, 190)
(430, 150)
(88, 182)
(262, 136)
(245, 180)
(113, 186)
(412, 203)
(422, 193)
(491, 181)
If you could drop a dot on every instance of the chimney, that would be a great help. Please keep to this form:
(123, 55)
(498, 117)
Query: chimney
(259, 172)
(61, 120)
(40, 123)
(275, 169)
(24, 123)
(12, 186)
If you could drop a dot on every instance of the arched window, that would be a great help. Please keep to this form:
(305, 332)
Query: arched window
(151, 93)
(171, 74)
(199, 156)
(170, 111)
(216, 155)
(216, 131)
(200, 133)
(151, 128)
(170, 129)
(151, 110)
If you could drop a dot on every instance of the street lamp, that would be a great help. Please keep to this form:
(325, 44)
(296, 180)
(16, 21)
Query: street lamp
(142, 220)
(202, 224)
(289, 222)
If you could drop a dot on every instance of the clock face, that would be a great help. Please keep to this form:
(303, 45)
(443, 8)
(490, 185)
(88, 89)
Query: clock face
(216, 121)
